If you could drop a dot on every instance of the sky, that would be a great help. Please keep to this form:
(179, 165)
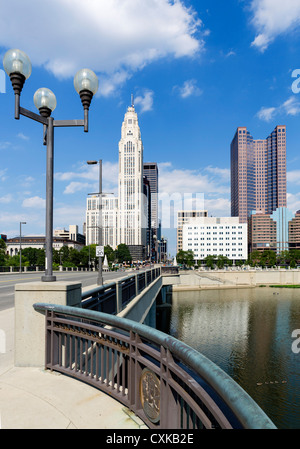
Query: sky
(197, 69)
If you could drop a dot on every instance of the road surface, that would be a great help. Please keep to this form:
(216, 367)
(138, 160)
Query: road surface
(86, 278)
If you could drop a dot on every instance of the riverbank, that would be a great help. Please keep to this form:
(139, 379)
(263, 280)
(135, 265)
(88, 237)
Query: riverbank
(225, 279)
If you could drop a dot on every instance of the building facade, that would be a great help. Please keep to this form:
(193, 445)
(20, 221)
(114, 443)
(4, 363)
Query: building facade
(109, 221)
(294, 232)
(276, 231)
(184, 217)
(39, 242)
(133, 216)
(214, 236)
(151, 173)
(124, 219)
(258, 173)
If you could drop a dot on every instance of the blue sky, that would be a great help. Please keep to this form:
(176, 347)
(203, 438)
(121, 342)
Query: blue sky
(197, 70)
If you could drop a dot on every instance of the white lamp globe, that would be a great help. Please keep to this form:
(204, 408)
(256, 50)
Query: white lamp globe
(16, 61)
(44, 98)
(86, 79)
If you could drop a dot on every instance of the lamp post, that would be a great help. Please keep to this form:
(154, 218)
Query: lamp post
(100, 275)
(18, 66)
(21, 222)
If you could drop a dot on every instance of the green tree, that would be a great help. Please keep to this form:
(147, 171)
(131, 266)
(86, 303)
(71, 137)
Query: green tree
(185, 257)
(74, 257)
(110, 254)
(87, 254)
(268, 258)
(254, 258)
(222, 261)
(34, 256)
(123, 253)
(210, 261)
(3, 255)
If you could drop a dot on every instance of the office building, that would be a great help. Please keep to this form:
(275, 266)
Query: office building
(183, 217)
(151, 173)
(273, 231)
(262, 232)
(71, 234)
(39, 242)
(109, 222)
(258, 173)
(214, 236)
(124, 219)
(133, 216)
(294, 232)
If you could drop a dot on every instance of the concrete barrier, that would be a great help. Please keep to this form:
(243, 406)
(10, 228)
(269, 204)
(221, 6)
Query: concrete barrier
(30, 325)
(235, 278)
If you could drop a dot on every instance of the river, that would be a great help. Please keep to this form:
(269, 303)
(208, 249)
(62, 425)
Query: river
(248, 333)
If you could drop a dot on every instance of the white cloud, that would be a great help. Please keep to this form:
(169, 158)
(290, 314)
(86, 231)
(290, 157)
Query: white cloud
(2, 174)
(6, 199)
(34, 202)
(188, 89)
(114, 38)
(23, 136)
(145, 101)
(196, 181)
(223, 173)
(64, 215)
(110, 173)
(293, 201)
(179, 189)
(293, 177)
(5, 145)
(74, 187)
(272, 18)
(266, 114)
(230, 53)
(290, 107)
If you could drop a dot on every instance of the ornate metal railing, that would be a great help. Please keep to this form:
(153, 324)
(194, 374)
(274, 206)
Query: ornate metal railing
(162, 380)
(113, 297)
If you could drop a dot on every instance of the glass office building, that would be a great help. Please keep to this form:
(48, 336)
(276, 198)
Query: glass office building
(258, 173)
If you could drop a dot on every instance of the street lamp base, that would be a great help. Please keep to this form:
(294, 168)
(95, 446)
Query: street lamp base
(48, 278)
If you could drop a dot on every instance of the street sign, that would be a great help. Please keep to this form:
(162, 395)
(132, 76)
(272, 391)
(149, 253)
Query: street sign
(99, 251)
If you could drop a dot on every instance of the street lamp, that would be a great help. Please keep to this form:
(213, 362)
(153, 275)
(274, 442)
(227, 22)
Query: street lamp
(100, 276)
(18, 67)
(21, 222)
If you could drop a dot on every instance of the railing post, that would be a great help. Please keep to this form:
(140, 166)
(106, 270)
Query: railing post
(136, 284)
(146, 279)
(118, 296)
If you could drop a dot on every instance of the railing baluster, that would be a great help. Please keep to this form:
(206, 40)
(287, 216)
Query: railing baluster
(113, 361)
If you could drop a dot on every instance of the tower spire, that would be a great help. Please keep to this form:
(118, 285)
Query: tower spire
(132, 105)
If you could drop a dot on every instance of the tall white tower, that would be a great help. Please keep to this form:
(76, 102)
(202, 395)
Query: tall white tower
(132, 208)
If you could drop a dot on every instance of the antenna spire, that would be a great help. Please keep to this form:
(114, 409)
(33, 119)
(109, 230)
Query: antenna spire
(132, 105)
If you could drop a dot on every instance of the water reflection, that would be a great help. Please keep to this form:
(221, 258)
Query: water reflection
(247, 332)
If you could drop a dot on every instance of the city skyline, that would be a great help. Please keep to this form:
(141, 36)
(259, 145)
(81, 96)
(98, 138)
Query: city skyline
(218, 66)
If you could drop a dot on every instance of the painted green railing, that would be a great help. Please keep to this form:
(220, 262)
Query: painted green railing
(166, 383)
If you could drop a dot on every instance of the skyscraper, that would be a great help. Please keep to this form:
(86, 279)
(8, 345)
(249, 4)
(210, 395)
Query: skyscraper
(258, 173)
(133, 213)
(151, 173)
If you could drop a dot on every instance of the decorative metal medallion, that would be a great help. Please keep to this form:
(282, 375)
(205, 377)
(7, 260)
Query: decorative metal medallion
(150, 395)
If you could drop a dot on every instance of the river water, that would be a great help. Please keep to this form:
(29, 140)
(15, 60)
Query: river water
(247, 333)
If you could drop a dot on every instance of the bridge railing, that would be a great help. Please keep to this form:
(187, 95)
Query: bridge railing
(162, 380)
(113, 297)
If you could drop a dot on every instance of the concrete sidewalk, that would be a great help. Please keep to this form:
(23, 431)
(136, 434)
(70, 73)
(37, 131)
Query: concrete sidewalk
(34, 398)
